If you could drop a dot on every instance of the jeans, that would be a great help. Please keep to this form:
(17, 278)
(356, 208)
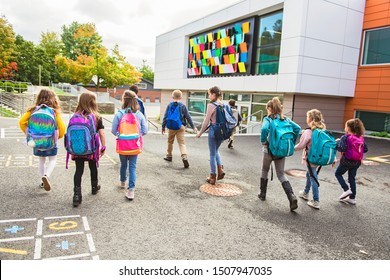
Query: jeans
(310, 182)
(341, 169)
(214, 144)
(132, 169)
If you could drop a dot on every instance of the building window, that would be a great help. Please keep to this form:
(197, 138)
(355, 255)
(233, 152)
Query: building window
(374, 121)
(268, 43)
(142, 86)
(197, 102)
(376, 46)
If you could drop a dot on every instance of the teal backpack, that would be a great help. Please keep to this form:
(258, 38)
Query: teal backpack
(281, 138)
(323, 147)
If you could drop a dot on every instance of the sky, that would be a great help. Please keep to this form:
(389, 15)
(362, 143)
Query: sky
(132, 24)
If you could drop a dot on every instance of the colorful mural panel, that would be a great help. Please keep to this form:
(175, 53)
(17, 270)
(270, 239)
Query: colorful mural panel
(223, 51)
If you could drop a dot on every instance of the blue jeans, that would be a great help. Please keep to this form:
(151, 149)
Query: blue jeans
(132, 160)
(214, 144)
(310, 182)
(341, 169)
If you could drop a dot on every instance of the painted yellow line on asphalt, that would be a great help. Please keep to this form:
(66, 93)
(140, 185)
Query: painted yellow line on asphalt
(13, 251)
(382, 159)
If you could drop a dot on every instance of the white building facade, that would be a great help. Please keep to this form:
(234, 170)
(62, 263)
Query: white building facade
(304, 51)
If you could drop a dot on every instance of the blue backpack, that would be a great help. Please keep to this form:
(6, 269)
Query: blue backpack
(225, 122)
(81, 138)
(281, 138)
(174, 116)
(323, 148)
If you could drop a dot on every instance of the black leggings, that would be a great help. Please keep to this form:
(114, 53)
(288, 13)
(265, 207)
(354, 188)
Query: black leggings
(80, 171)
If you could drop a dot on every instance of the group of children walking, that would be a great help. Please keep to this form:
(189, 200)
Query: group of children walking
(85, 141)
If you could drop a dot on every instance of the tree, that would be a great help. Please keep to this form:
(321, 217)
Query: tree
(80, 39)
(29, 59)
(120, 72)
(7, 46)
(147, 72)
(51, 45)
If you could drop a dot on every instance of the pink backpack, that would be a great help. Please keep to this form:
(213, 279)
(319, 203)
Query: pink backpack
(129, 140)
(355, 147)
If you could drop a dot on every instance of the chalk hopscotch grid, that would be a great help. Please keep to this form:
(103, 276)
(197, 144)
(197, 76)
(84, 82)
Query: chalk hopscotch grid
(39, 235)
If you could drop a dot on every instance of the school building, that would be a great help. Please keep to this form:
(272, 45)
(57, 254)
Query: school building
(333, 55)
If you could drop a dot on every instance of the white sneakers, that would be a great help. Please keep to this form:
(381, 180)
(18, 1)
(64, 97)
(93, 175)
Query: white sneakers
(349, 200)
(345, 194)
(130, 194)
(314, 204)
(303, 195)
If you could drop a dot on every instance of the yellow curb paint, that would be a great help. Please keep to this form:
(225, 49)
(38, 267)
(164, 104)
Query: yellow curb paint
(13, 251)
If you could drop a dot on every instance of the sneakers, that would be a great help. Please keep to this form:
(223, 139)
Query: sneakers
(230, 143)
(186, 164)
(130, 194)
(168, 158)
(41, 185)
(304, 195)
(46, 183)
(349, 200)
(345, 194)
(122, 185)
(314, 204)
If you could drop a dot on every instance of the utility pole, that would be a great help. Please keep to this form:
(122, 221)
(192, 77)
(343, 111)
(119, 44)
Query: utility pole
(40, 74)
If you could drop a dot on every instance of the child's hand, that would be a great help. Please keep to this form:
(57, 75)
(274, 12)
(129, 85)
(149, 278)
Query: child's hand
(163, 131)
(195, 130)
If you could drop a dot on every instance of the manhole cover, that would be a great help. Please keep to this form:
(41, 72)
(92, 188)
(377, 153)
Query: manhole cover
(220, 189)
(296, 172)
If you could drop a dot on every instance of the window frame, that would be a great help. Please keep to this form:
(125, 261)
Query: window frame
(364, 47)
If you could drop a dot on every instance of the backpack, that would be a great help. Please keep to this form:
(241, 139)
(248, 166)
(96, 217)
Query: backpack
(355, 147)
(236, 115)
(281, 138)
(141, 105)
(225, 122)
(174, 116)
(42, 132)
(129, 137)
(323, 148)
(81, 138)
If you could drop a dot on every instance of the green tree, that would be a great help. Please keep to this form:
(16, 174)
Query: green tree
(120, 71)
(7, 49)
(52, 45)
(80, 39)
(147, 72)
(29, 59)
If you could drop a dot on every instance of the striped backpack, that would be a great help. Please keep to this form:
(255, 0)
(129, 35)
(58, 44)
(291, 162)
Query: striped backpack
(129, 137)
(42, 132)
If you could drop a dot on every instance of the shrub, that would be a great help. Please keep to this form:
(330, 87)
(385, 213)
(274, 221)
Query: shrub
(381, 134)
(9, 86)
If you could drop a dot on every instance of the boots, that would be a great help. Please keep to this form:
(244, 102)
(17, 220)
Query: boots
(77, 196)
(211, 179)
(263, 188)
(290, 195)
(95, 187)
(230, 143)
(221, 173)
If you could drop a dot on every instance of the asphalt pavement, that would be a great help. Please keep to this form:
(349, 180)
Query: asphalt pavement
(171, 219)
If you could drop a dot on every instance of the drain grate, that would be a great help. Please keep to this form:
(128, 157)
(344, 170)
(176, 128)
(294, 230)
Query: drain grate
(220, 189)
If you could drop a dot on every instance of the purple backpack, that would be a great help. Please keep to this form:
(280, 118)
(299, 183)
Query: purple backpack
(81, 138)
(355, 147)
